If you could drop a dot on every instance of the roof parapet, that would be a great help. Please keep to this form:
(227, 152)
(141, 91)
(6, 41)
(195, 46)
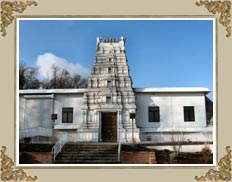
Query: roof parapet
(120, 41)
(111, 40)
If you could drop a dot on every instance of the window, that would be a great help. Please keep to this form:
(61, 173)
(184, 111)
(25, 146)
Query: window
(108, 99)
(67, 115)
(109, 83)
(189, 113)
(154, 114)
(148, 138)
(109, 70)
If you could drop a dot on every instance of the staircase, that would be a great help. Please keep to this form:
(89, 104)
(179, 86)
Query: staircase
(88, 153)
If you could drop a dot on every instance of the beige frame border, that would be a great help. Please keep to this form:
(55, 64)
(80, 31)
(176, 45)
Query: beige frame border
(126, 16)
(132, 16)
(216, 67)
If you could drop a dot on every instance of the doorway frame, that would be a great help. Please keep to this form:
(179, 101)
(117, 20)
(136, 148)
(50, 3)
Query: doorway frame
(100, 124)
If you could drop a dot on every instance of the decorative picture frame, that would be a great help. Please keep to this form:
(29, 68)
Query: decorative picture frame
(221, 172)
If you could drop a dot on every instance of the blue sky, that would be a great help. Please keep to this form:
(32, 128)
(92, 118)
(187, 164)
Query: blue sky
(161, 53)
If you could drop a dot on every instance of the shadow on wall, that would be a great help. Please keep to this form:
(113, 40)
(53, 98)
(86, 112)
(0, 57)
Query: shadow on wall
(143, 112)
(209, 110)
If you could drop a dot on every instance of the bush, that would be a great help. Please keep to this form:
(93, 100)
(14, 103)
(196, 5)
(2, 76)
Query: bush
(177, 139)
(209, 160)
(207, 154)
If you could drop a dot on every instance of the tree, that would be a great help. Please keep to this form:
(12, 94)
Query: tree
(65, 80)
(60, 78)
(27, 77)
(76, 81)
(79, 82)
(83, 83)
(54, 72)
(177, 140)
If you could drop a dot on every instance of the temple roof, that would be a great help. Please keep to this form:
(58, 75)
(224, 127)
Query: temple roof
(136, 90)
(173, 89)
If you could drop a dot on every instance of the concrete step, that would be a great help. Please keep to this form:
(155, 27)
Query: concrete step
(85, 162)
(87, 158)
(90, 149)
(84, 154)
(93, 143)
(88, 153)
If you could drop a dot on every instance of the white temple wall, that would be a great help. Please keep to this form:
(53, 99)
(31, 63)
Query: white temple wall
(172, 117)
(171, 110)
(35, 117)
(70, 100)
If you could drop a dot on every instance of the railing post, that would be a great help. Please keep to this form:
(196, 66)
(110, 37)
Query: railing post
(119, 145)
(54, 156)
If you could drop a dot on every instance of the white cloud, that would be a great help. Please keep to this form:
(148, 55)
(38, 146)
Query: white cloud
(46, 60)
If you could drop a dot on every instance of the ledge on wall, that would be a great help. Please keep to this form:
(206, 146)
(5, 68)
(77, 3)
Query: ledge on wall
(65, 127)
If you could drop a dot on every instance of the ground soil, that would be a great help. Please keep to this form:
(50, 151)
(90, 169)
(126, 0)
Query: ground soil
(163, 157)
(35, 147)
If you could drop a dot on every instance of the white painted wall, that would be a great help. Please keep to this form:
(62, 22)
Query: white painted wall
(68, 100)
(35, 114)
(171, 110)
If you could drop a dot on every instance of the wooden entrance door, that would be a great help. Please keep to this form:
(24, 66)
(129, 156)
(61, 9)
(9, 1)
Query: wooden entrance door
(109, 127)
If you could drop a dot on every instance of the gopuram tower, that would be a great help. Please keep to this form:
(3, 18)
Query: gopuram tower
(109, 101)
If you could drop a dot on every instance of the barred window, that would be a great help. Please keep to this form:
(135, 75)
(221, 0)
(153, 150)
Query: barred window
(189, 114)
(108, 99)
(109, 84)
(154, 114)
(67, 115)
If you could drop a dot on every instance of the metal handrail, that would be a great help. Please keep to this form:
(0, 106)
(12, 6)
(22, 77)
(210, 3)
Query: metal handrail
(57, 148)
(119, 146)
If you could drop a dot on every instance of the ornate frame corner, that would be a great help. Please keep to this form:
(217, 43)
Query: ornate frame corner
(223, 171)
(7, 9)
(221, 7)
(9, 171)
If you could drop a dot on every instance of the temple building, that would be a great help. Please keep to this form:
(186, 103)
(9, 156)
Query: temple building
(111, 110)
